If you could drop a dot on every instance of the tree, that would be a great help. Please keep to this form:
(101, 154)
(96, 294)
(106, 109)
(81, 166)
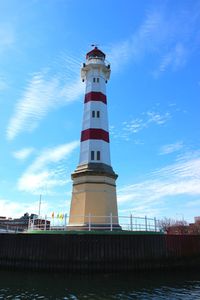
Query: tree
(166, 223)
(171, 226)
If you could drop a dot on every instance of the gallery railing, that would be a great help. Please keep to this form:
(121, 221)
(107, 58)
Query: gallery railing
(91, 222)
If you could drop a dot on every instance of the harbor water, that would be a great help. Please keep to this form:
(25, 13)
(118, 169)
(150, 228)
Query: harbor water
(158, 285)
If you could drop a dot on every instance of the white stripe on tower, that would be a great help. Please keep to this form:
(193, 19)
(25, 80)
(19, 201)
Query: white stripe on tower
(95, 135)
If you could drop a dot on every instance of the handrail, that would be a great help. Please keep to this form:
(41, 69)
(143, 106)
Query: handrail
(91, 222)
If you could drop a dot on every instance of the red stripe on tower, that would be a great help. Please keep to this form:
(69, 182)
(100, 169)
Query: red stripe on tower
(95, 96)
(94, 134)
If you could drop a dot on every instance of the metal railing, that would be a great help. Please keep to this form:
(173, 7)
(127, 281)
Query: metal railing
(91, 222)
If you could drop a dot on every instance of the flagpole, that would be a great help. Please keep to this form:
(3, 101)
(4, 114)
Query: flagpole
(39, 205)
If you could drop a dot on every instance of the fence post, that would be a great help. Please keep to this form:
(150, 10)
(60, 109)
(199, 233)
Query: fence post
(45, 223)
(29, 219)
(131, 221)
(155, 224)
(146, 223)
(89, 222)
(111, 222)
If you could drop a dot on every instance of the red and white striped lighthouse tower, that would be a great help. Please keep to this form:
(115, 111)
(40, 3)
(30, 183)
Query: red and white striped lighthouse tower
(94, 190)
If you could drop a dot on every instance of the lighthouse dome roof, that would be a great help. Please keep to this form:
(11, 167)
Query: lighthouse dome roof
(95, 53)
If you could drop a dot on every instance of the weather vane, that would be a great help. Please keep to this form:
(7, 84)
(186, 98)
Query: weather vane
(94, 45)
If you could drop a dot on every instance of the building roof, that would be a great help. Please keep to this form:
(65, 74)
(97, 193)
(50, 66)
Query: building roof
(95, 53)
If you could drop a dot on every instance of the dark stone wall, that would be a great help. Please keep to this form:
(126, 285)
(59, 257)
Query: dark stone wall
(98, 252)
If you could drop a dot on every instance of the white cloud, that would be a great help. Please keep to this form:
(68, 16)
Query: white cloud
(3, 84)
(142, 41)
(135, 125)
(7, 36)
(23, 153)
(180, 178)
(171, 36)
(53, 155)
(9, 208)
(175, 59)
(162, 33)
(129, 128)
(171, 148)
(43, 93)
(40, 175)
(157, 118)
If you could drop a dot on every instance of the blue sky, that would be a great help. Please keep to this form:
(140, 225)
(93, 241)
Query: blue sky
(153, 102)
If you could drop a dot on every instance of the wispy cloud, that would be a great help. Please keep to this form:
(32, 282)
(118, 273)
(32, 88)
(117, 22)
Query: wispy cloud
(45, 92)
(23, 153)
(3, 83)
(143, 40)
(171, 148)
(47, 170)
(157, 118)
(175, 59)
(7, 36)
(9, 208)
(170, 35)
(180, 178)
(132, 127)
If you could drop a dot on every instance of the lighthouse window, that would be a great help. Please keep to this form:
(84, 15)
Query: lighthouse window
(98, 114)
(97, 79)
(94, 79)
(92, 155)
(93, 113)
(98, 155)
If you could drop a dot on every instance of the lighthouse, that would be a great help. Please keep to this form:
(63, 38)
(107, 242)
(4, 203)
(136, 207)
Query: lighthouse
(94, 199)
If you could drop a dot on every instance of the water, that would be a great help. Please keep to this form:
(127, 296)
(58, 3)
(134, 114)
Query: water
(143, 286)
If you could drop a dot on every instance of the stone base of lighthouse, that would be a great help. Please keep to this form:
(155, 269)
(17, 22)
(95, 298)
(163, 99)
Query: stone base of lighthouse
(94, 200)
